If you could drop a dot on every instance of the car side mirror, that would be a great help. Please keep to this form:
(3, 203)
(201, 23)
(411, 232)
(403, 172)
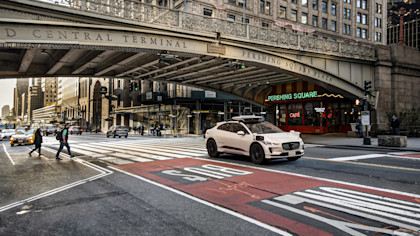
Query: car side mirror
(241, 133)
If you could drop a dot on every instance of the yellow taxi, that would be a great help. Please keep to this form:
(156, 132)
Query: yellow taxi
(22, 137)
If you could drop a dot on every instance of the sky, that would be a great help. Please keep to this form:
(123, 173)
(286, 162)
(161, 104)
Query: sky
(7, 86)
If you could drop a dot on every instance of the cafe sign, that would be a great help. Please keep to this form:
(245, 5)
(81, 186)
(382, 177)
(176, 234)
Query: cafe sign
(292, 96)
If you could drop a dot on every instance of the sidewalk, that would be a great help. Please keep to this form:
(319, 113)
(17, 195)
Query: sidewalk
(341, 140)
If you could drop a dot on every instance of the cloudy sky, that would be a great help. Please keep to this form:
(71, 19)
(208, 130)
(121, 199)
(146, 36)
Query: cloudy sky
(7, 87)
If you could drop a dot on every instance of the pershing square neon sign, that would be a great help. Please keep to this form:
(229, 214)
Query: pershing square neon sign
(290, 96)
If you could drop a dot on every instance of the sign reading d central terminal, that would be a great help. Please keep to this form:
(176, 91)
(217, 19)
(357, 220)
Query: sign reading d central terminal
(290, 96)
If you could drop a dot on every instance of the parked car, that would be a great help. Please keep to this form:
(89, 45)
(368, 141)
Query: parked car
(6, 134)
(254, 137)
(23, 137)
(75, 130)
(117, 130)
(50, 129)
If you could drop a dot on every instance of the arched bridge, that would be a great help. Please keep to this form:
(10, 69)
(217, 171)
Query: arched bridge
(130, 39)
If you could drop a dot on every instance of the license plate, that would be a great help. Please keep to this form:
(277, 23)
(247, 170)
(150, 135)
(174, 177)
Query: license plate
(292, 153)
(20, 141)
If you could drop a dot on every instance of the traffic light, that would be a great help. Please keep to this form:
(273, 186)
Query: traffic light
(136, 86)
(368, 86)
(360, 102)
(131, 86)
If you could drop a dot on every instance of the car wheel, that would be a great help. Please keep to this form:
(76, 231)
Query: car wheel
(12, 145)
(126, 136)
(107, 135)
(257, 154)
(292, 158)
(212, 148)
(119, 136)
(114, 136)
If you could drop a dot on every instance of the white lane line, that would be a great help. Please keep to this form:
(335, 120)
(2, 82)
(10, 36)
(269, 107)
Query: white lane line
(233, 213)
(352, 158)
(7, 153)
(103, 172)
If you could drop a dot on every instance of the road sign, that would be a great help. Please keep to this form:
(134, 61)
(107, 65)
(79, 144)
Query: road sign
(365, 117)
(103, 90)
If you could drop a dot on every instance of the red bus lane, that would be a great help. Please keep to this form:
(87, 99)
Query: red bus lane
(296, 204)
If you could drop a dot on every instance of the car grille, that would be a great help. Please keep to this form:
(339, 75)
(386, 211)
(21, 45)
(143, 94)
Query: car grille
(290, 146)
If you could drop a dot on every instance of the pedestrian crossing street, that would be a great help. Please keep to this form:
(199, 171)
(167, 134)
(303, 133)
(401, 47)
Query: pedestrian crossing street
(121, 152)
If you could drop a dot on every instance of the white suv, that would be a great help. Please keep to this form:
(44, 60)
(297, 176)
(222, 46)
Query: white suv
(254, 137)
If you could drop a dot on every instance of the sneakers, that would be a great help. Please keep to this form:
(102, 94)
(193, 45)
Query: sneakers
(58, 158)
(30, 154)
(71, 156)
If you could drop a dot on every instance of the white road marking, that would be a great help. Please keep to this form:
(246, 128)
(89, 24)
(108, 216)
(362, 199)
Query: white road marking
(103, 172)
(7, 153)
(233, 213)
(352, 158)
(116, 161)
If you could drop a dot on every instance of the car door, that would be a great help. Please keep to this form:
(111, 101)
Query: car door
(239, 143)
(220, 135)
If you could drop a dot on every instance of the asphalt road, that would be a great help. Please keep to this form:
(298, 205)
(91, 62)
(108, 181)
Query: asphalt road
(107, 190)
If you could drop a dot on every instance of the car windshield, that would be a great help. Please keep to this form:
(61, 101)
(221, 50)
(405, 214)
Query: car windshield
(263, 128)
(8, 131)
(121, 128)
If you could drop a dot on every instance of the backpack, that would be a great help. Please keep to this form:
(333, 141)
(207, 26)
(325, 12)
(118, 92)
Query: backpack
(59, 135)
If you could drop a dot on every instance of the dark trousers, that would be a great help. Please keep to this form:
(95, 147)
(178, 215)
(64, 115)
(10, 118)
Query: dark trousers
(62, 144)
(37, 146)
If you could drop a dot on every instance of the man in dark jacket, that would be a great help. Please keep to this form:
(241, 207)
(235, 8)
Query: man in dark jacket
(37, 142)
(395, 125)
(64, 142)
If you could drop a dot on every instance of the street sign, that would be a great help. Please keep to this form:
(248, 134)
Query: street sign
(103, 90)
(365, 117)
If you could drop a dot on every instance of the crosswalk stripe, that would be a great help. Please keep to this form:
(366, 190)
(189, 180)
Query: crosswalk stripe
(116, 161)
(142, 154)
(190, 152)
(133, 153)
(134, 158)
(154, 151)
(86, 147)
(352, 158)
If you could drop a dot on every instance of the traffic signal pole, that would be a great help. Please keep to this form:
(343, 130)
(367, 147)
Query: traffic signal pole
(367, 88)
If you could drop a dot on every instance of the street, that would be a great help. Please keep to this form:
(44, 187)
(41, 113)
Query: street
(155, 186)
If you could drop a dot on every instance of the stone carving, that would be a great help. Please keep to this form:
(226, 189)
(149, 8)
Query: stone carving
(141, 12)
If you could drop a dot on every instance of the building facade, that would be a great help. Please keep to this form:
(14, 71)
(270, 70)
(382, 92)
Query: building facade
(19, 100)
(5, 111)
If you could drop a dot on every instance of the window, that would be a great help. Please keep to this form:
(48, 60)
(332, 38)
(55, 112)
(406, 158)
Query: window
(364, 19)
(346, 29)
(378, 22)
(163, 3)
(282, 12)
(347, 13)
(333, 25)
(208, 12)
(293, 16)
(239, 127)
(296, 110)
(315, 4)
(315, 21)
(241, 3)
(246, 20)
(324, 23)
(333, 9)
(359, 3)
(347, 1)
(324, 6)
(232, 2)
(305, 3)
(364, 4)
(231, 17)
(294, 1)
(304, 19)
(265, 7)
(359, 17)
(265, 25)
(364, 33)
(378, 37)
(378, 8)
(358, 32)
(225, 127)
